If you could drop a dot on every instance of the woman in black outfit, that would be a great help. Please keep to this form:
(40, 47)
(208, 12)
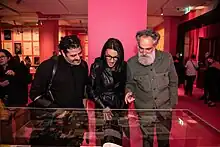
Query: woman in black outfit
(13, 81)
(107, 86)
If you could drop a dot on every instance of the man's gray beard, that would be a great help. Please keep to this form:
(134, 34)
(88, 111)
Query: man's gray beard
(147, 59)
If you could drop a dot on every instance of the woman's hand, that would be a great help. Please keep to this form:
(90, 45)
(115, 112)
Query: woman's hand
(4, 83)
(107, 113)
(10, 72)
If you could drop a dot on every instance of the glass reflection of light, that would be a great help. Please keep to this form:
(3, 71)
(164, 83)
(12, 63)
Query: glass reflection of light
(180, 121)
(111, 145)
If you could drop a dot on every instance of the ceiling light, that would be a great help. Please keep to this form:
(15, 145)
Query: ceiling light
(199, 7)
(161, 13)
(188, 9)
(39, 22)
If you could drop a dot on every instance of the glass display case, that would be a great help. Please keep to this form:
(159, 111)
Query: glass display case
(76, 127)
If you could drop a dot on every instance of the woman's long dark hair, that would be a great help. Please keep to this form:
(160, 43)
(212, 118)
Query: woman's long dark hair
(115, 44)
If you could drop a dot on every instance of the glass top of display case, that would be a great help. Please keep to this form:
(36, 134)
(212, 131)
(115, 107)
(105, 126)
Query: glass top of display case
(78, 127)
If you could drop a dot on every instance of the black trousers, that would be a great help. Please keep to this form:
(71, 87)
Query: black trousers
(163, 126)
(189, 84)
(213, 92)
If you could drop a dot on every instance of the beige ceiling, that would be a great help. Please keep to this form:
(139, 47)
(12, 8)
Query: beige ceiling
(74, 13)
(169, 8)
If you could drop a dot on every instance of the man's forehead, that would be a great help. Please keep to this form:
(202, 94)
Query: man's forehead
(75, 50)
(146, 39)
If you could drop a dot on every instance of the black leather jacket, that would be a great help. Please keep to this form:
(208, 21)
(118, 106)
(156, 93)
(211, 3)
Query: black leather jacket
(106, 87)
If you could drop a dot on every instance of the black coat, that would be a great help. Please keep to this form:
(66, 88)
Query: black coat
(17, 90)
(106, 87)
(212, 79)
(68, 86)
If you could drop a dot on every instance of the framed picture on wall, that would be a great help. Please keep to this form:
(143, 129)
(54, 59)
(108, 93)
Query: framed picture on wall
(36, 50)
(17, 48)
(7, 34)
(8, 46)
(27, 48)
(27, 34)
(36, 34)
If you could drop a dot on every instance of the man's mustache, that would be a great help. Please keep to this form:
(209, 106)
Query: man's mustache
(76, 60)
(143, 55)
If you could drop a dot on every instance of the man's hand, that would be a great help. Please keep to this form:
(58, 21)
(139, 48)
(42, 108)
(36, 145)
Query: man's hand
(85, 102)
(129, 97)
(10, 72)
(4, 83)
(60, 113)
(107, 113)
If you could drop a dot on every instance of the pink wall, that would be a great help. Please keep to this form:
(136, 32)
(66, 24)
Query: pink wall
(115, 18)
(48, 35)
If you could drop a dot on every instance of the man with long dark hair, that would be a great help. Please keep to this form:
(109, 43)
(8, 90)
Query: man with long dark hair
(152, 82)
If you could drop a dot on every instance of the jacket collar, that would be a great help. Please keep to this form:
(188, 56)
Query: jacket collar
(158, 55)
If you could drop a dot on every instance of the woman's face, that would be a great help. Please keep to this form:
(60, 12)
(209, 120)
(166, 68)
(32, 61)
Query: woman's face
(111, 57)
(3, 59)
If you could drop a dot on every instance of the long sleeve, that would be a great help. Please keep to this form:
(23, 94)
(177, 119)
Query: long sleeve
(21, 74)
(173, 83)
(94, 84)
(130, 84)
(41, 79)
(86, 77)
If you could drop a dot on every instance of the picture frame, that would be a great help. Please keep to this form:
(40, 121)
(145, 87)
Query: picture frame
(7, 34)
(17, 48)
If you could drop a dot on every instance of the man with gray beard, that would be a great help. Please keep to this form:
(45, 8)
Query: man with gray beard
(152, 83)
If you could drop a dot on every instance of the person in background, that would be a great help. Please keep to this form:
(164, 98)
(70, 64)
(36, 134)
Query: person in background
(27, 62)
(205, 65)
(152, 83)
(55, 53)
(180, 69)
(107, 84)
(26, 72)
(191, 72)
(17, 60)
(27, 66)
(13, 81)
(211, 82)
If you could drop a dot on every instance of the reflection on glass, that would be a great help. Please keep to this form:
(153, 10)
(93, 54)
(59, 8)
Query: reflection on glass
(76, 127)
